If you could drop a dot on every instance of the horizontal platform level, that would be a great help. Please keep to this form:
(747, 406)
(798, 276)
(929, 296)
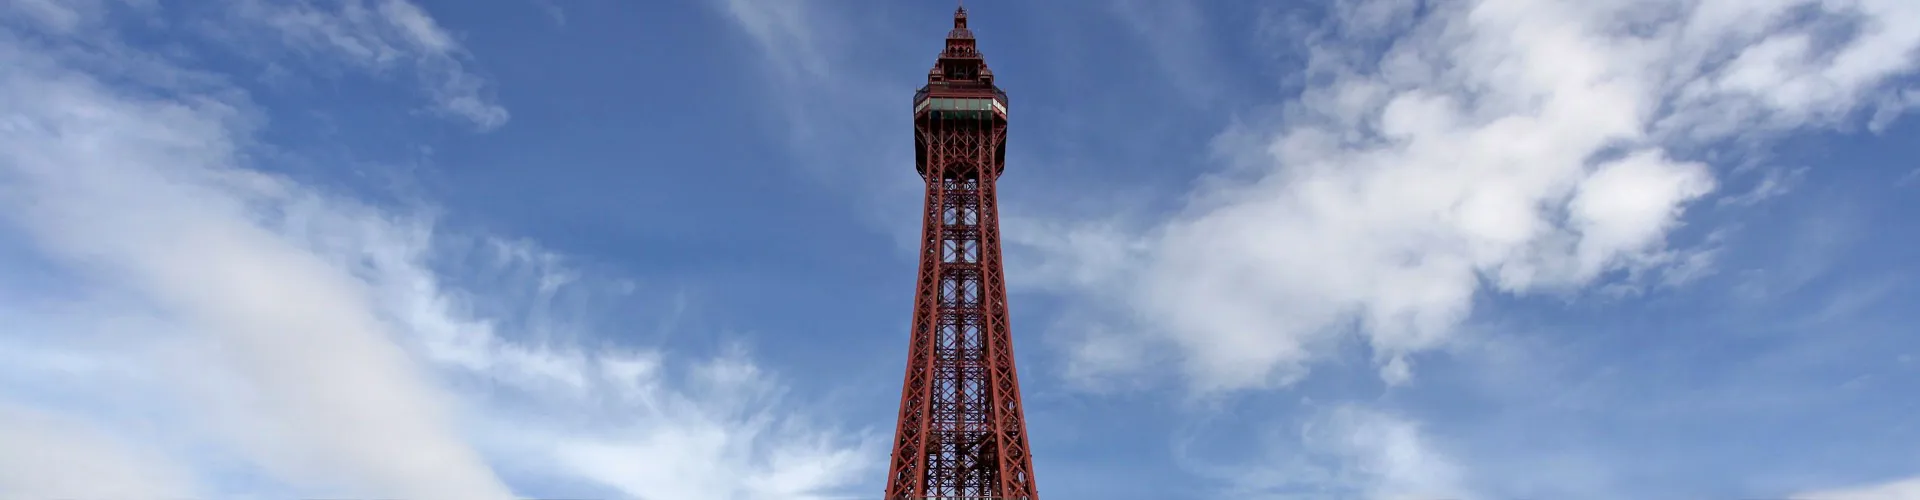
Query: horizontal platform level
(960, 104)
(970, 498)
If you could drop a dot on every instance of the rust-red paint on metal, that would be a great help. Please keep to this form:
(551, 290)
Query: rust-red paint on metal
(961, 431)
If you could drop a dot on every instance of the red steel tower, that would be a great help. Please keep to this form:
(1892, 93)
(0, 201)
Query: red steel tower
(961, 432)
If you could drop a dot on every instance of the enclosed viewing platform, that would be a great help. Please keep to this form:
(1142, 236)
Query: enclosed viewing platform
(961, 107)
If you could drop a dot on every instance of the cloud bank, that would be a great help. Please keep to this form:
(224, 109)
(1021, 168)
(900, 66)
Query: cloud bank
(1494, 146)
(189, 326)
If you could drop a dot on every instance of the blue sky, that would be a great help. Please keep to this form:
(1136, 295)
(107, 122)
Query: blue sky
(1359, 249)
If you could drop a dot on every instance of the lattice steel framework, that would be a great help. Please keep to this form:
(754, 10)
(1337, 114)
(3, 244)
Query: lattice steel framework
(961, 431)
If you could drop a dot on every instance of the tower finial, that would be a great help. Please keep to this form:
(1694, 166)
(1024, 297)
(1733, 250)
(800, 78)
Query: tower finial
(960, 31)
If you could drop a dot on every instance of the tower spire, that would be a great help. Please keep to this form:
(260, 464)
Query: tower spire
(960, 31)
(961, 60)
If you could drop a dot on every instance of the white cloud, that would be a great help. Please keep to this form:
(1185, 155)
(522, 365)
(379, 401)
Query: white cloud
(1892, 108)
(145, 193)
(1904, 489)
(71, 459)
(722, 443)
(1393, 457)
(1350, 451)
(52, 15)
(1774, 183)
(1524, 145)
(210, 318)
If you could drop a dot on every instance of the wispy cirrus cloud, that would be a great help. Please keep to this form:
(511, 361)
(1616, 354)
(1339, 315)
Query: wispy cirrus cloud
(379, 37)
(787, 32)
(837, 110)
(206, 321)
(386, 38)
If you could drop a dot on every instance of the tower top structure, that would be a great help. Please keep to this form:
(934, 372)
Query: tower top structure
(960, 87)
(961, 62)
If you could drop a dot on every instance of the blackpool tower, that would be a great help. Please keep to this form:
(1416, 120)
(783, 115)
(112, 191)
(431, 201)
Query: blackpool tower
(961, 433)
